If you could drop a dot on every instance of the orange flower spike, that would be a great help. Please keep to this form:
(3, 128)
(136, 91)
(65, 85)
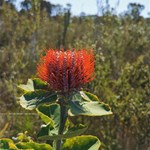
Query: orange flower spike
(66, 70)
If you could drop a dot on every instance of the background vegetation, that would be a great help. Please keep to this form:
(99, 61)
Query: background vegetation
(122, 51)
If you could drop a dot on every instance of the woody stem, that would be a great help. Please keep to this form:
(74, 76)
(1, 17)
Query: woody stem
(63, 118)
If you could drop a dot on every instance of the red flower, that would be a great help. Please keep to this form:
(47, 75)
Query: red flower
(66, 70)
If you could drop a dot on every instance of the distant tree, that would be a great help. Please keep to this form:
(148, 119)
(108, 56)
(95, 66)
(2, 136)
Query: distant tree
(50, 8)
(67, 17)
(1, 2)
(26, 5)
(47, 6)
(135, 10)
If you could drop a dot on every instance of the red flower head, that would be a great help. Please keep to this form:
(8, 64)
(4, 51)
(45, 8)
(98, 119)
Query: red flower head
(66, 70)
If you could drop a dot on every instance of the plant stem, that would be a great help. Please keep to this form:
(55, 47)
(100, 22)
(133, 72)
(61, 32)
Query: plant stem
(63, 118)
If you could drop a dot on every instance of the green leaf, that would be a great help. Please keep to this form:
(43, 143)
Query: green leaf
(31, 100)
(50, 114)
(47, 132)
(36, 92)
(23, 137)
(74, 131)
(86, 142)
(7, 144)
(88, 96)
(88, 108)
(33, 146)
(33, 84)
(85, 103)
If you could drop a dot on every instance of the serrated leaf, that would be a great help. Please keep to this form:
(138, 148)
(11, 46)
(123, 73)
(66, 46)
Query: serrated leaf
(31, 100)
(85, 142)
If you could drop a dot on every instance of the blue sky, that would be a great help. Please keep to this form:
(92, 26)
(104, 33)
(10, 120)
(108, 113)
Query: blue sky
(90, 6)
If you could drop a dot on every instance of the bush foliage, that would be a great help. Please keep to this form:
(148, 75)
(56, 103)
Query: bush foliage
(122, 50)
